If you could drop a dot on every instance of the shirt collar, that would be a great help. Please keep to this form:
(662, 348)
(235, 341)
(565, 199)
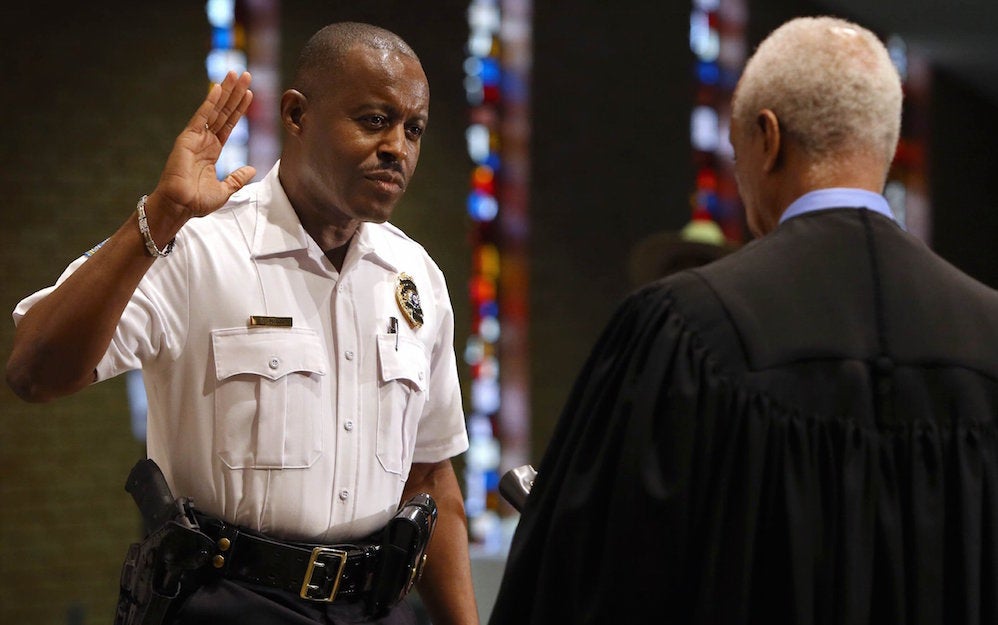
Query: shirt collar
(838, 197)
(279, 231)
(373, 243)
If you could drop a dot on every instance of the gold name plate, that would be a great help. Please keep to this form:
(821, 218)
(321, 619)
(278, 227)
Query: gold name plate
(274, 322)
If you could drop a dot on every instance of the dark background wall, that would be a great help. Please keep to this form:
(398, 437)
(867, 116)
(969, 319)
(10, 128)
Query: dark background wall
(963, 160)
(612, 94)
(95, 93)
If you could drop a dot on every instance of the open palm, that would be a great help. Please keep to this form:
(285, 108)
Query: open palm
(189, 181)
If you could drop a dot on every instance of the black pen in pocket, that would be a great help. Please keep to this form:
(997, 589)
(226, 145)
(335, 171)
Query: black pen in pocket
(393, 328)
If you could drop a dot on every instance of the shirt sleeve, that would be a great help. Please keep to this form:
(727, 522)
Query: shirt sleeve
(146, 330)
(442, 433)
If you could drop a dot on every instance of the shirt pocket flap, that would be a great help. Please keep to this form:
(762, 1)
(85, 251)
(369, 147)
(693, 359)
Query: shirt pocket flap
(267, 352)
(402, 358)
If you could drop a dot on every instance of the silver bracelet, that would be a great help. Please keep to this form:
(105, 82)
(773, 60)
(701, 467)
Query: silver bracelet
(144, 229)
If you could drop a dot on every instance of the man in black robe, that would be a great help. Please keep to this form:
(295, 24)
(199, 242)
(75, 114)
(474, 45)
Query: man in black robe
(801, 432)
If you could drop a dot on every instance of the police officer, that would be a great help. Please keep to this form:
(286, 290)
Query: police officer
(297, 348)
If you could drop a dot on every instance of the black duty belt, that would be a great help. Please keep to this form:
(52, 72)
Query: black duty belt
(324, 573)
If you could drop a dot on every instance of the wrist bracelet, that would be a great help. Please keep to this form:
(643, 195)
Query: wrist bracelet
(144, 229)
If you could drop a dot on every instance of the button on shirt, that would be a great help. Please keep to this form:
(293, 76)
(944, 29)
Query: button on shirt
(277, 428)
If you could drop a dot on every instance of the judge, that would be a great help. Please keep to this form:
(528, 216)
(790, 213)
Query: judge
(800, 432)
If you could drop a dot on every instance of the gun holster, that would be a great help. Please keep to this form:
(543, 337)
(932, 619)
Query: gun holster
(154, 568)
(403, 553)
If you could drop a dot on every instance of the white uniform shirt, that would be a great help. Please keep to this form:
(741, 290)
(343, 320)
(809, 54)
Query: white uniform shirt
(304, 432)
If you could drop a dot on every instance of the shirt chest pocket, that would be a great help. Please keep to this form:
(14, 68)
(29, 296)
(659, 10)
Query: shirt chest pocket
(402, 386)
(268, 398)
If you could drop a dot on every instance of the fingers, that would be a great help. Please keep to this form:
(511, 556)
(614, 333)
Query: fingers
(237, 179)
(239, 109)
(234, 99)
(226, 103)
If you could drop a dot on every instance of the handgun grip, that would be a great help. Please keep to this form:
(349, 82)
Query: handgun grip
(152, 495)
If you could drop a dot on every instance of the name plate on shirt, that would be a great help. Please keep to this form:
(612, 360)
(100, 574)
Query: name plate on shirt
(273, 322)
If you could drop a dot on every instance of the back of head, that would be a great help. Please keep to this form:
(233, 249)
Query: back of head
(831, 84)
(322, 54)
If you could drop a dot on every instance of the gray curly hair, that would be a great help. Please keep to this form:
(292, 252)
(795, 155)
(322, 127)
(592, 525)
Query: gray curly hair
(831, 84)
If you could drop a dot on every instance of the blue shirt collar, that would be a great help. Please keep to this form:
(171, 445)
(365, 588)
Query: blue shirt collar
(838, 197)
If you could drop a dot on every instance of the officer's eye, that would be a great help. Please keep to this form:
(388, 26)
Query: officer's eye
(414, 131)
(375, 121)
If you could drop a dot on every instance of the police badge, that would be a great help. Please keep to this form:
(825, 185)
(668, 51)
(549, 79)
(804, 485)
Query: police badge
(408, 300)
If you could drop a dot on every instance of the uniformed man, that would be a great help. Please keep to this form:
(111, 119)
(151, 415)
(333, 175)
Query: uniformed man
(297, 349)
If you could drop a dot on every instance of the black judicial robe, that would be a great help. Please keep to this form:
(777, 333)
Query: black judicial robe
(801, 432)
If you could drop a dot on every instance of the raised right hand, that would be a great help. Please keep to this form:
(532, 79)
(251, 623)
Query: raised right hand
(189, 185)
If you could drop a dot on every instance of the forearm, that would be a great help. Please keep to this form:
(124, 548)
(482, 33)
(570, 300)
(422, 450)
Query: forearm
(445, 587)
(61, 339)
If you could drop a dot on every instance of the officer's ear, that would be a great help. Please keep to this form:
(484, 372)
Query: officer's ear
(293, 106)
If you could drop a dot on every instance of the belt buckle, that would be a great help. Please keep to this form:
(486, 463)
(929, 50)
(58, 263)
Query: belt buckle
(308, 588)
